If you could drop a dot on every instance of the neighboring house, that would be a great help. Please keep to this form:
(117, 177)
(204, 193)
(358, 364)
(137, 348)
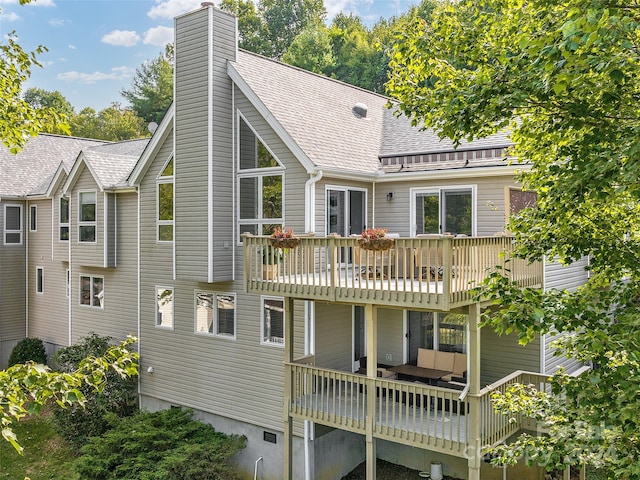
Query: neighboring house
(168, 243)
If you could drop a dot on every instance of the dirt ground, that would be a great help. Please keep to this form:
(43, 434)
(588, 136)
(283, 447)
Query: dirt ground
(386, 471)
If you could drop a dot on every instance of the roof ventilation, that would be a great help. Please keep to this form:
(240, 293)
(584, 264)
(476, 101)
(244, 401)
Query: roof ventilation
(360, 110)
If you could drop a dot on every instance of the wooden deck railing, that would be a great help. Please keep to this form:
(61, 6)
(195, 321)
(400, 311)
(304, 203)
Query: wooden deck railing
(435, 273)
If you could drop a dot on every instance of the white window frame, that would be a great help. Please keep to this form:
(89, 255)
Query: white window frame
(92, 292)
(62, 224)
(33, 218)
(39, 280)
(158, 317)
(12, 231)
(84, 223)
(263, 339)
(414, 192)
(163, 180)
(259, 174)
(215, 314)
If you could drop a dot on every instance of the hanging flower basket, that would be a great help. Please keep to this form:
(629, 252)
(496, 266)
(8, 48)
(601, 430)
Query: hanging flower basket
(281, 238)
(376, 244)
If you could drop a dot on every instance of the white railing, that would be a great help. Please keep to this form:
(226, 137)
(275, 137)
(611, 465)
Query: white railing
(439, 273)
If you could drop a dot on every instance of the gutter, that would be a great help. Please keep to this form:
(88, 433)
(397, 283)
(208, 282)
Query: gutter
(310, 204)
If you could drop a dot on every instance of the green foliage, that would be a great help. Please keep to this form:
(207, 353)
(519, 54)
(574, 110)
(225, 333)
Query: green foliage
(311, 50)
(113, 123)
(26, 388)
(562, 76)
(151, 92)
(167, 445)
(28, 350)
(117, 396)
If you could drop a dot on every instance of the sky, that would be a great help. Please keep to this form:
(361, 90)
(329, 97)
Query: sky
(95, 46)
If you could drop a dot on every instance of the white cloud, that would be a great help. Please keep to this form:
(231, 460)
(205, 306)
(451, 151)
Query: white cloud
(122, 38)
(71, 47)
(158, 36)
(117, 73)
(172, 8)
(9, 16)
(336, 6)
(58, 22)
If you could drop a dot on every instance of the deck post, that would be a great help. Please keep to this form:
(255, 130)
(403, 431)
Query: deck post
(288, 358)
(371, 313)
(474, 446)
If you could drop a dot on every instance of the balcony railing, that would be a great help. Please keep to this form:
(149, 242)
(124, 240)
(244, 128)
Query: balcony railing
(434, 273)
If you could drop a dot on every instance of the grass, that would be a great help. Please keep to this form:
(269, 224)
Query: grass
(46, 455)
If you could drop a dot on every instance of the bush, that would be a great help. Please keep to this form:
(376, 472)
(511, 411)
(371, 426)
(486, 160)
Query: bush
(28, 350)
(167, 445)
(77, 423)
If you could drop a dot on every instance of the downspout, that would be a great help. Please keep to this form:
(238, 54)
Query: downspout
(310, 204)
(373, 205)
(27, 229)
(309, 347)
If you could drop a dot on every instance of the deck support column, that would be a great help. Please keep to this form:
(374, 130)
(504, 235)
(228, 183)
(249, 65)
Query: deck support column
(288, 358)
(474, 446)
(371, 318)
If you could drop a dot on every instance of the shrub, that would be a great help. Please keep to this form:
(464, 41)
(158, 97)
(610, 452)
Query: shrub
(77, 423)
(28, 350)
(166, 445)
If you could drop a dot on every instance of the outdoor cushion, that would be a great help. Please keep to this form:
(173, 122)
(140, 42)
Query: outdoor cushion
(426, 358)
(444, 361)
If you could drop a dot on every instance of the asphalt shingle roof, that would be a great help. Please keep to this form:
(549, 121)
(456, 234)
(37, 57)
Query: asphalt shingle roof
(113, 163)
(35, 165)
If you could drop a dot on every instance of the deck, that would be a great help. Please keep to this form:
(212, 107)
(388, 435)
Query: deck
(436, 273)
(410, 413)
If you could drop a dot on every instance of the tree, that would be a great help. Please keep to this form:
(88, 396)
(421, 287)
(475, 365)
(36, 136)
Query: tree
(151, 92)
(19, 119)
(26, 388)
(563, 77)
(113, 123)
(38, 98)
(311, 50)
(251, 35)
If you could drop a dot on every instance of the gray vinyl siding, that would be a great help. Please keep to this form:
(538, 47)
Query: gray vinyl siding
(12, 285)
(390, 338)
(490, 202)
(118, 318)
(48, 311)
(502, 355)
(295, 176)
(565, 277)
(110, 243)
(192, 104)
(86, 253)
(333, 335)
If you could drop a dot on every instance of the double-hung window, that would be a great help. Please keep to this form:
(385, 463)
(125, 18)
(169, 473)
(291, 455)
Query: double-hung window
(260, 185)
(273, 321)
(443, 210)
(13, 224)
(92, 291)
(165, 211)
(87, 223)
(164, 307)
(215, 314)
(64, 219)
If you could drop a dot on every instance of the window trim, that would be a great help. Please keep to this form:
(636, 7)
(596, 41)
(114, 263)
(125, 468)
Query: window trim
(157, 309)
(263, 299)
(33, 218)
(39, 280)
(440, 190)
(8, 231)
(215, 323)
(160, 179)
(92, 293)
(62, 224)
(84, 223)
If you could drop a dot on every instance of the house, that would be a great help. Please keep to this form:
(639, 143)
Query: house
(167, 238)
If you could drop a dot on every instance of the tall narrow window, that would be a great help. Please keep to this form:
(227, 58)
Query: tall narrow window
(164, 307)
(87, 217)
(216, 314)
(92, 291)
(33, 218)
(39, 280)
(273, 321)
(165, 182)
(68, 284)
(13, 224)
(64, 219)
(260, 185)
